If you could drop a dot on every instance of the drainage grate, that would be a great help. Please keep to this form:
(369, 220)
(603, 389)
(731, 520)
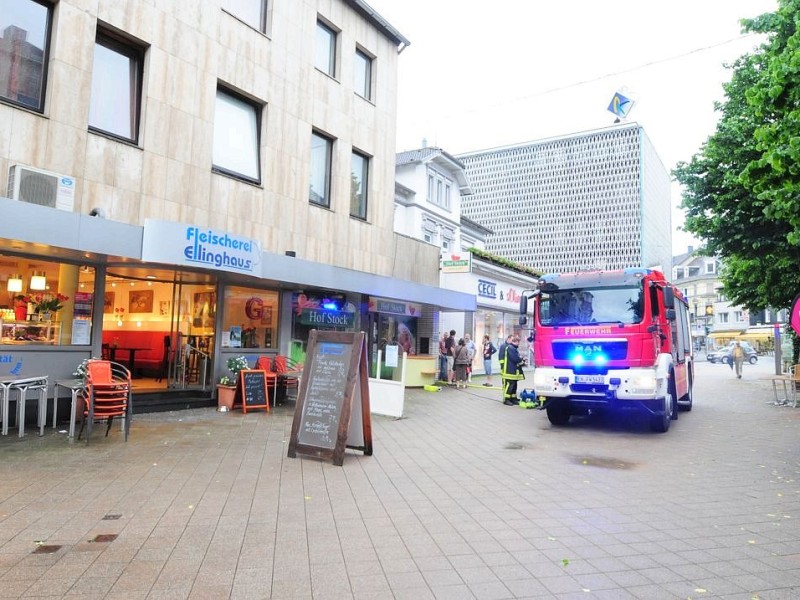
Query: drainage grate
(111, 517)
(46, 549)
(105, 537)
(605, 463)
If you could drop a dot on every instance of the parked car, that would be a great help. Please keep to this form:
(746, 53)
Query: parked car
(723, 355)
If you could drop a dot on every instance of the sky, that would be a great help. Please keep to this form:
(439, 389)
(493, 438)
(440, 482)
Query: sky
(473, 79)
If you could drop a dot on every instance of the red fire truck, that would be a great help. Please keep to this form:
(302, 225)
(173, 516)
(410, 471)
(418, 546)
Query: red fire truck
(610, 341)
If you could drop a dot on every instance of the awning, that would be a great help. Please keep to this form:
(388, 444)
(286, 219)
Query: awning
(715, 335)
(756, 335)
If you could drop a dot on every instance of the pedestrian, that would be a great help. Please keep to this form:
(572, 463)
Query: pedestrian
(472, 350)
(737, 356)
(450, 347)
(443, 358)
(511, 371)
(488, 351)
(460, 361)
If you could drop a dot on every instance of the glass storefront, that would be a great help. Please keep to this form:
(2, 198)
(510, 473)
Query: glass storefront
(498, 324)
(250, 318)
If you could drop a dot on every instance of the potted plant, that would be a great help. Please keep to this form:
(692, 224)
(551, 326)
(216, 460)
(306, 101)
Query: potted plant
(226, 387)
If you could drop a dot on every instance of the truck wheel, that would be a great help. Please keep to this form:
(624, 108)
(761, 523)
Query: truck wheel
(558, 413)
(660, 423)
(687, 399)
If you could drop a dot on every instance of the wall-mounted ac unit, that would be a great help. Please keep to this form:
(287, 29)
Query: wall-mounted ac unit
(41, 187)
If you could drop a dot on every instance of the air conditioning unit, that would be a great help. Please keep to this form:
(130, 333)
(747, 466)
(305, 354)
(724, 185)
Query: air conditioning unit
(41, 187)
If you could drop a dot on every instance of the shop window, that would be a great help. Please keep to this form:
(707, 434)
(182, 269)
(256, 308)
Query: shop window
(250, 318)
(47, 304)
(24, 47)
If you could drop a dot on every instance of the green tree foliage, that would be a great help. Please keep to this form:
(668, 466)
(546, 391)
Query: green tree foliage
(742, 190)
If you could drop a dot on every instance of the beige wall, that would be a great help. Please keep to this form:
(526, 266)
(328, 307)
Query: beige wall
(193, 45)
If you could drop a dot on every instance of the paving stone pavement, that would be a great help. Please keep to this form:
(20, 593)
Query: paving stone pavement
(463, 498)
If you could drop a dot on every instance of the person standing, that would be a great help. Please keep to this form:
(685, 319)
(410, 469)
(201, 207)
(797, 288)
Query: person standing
(460, 361)
(443, 376)
(488, 351)
(737, 355)
(450, 347)
(470, 345)
(511, 372)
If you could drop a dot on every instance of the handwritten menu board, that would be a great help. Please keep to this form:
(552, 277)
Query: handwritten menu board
(254, 389)
(324, 395)
(334, 375)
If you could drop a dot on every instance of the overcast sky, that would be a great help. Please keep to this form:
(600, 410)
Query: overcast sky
(525, 70)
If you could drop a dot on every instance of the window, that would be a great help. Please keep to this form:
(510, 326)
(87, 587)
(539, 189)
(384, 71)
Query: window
(739, 316)
(709, 267)
(252, 12)
(359, 185)
(723, 317)
(439, 188)
(363, 75)
(24, 45)
(319, 187)
(237, 125)
(114, 107)
(325, 54)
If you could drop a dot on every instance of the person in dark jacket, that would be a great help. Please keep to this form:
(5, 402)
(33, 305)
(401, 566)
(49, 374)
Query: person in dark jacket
(511, 371)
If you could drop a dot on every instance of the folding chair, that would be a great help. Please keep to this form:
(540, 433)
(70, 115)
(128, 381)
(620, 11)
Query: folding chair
(108, 394)
(264, 363)
(288, 373)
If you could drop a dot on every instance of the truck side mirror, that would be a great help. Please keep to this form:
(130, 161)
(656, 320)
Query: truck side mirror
(523, 305)
(523, 320)
(670, 314)
(669, 298)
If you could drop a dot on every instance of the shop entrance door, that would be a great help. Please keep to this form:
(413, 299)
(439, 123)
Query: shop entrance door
(165, 321)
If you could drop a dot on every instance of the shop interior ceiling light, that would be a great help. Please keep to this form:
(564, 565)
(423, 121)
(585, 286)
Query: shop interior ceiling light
(39, 281)
(15, 283)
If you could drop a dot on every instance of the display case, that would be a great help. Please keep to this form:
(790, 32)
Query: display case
(29, 332)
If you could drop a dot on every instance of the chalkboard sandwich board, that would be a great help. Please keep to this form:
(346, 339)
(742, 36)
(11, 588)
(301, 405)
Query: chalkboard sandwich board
(254, 389)
(332, 410)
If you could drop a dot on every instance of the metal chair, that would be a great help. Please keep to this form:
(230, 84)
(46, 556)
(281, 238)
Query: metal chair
(108, 394)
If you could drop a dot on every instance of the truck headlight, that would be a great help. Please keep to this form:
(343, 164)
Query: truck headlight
(644, 383)
(542, 380)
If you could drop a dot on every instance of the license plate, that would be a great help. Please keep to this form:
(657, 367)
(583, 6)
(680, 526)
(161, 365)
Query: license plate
(589, 379)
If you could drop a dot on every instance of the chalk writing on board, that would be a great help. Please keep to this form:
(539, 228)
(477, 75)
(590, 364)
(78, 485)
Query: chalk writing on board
(325, 395)
(255, 388)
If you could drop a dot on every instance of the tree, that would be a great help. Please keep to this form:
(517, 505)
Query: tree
(742, 190)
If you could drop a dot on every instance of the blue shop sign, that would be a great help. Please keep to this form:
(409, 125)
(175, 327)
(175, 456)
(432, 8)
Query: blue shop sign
(487, 289)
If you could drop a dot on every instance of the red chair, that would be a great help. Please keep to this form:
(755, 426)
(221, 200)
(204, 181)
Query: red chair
(264, 363)
(108, 394)
(288, 373)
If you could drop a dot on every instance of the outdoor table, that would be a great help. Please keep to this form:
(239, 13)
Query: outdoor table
(75, 386)
(21, 385)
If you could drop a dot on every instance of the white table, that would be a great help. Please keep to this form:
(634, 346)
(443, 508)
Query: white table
(75, 387)
(10, 383)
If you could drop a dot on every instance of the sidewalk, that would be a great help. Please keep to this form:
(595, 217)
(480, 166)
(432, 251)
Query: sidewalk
(463, 498)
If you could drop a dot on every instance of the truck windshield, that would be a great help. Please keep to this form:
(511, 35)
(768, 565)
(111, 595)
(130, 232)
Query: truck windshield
(584, 306)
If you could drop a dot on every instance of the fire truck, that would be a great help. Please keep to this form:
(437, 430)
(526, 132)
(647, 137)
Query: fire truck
(610, 341)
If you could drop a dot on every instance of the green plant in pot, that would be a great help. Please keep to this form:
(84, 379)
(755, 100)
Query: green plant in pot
(226, 388)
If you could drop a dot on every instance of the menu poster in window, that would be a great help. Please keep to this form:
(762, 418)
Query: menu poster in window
(332, 411)
(82, 306)
(235, 337)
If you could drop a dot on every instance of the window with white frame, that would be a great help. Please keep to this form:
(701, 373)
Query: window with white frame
(359, 186)
(236, 146)
(429, 231)
(362, 74)
(116, 99)
(325, 49)
(722, 317)
(738, 316)
(710, 267)
(252, 12)
(24, 47)
(439, 188)
(319, 185)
